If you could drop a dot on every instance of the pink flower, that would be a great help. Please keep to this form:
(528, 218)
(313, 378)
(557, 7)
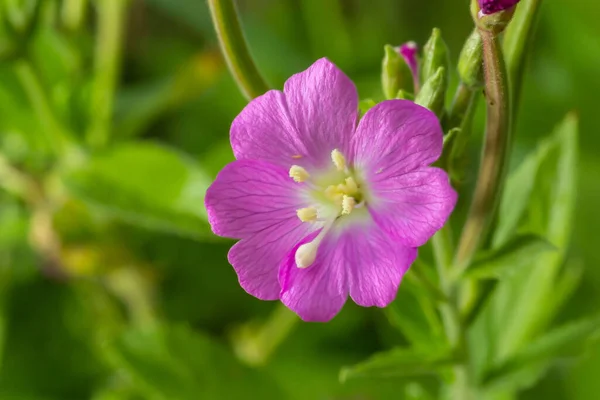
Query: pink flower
(324, 208)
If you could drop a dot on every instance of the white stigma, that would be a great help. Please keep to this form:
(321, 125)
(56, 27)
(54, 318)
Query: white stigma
(299, 174)
(306, 254)
(307, 214)
(338, 160)
(348, 204)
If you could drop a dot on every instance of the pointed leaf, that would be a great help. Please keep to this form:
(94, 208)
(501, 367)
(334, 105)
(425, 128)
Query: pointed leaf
(400, 362)
(521, 252)
(538, 355)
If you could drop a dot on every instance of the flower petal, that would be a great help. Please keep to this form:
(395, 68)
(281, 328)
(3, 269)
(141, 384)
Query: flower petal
(323, 103)
(376, 265)
(264, 131)
(316, 113)
(412, 206)
(395, 137)
(358, 258)
(249, 197)
(256, 201)
(316, 293)
(257, 259)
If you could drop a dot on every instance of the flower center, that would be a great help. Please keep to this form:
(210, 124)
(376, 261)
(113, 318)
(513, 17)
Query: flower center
(334, 194)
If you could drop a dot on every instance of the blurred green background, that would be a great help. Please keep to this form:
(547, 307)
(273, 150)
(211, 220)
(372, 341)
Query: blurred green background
(111, 284)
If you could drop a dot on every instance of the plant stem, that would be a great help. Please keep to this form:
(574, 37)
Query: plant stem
(235, 49)
(111, 21)
(491, 172)
(255, 344)
(73, 14)
(56, 135)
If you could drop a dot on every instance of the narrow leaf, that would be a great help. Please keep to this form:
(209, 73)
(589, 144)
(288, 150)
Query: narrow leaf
(400, 362)
(521, 252)
(561, 342)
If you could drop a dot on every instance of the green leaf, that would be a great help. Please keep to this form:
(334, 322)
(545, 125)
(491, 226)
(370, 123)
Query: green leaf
(524, 304)
(145, 184)
(400, 362)
(517, 39)
(521, 252)
(365, 105)
(176, 363)
(538, 355)
(517, 192)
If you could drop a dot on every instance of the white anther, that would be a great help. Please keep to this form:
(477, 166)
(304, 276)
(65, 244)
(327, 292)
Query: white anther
(348, 204)
(299, 174)
(338, 160)
(307, 214)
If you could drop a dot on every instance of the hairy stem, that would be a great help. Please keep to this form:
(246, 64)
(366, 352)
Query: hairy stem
(491, 172)
(235, 49)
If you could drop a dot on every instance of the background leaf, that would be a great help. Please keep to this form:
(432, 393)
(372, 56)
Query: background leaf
(147, 184)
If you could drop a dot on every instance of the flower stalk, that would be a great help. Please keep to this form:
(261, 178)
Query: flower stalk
(489, 181)
(235, 49)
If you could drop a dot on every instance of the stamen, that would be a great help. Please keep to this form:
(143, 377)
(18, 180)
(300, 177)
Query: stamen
(307, 214)
(299, 174)
(338, 160)
(348, 204)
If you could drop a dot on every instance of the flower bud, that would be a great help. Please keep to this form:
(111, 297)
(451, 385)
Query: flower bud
(470, 61)
(409, 51)
(435, 55)
(433, 92)
(493, 15)
(395, 73)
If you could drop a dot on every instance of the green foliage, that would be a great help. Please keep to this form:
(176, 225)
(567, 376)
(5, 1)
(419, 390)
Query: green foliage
(114, 119)
(161, 189)
(176, 363)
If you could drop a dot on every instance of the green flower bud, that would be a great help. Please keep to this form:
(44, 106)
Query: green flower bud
(470, 61)
(435, 55)
(404, 95)
(395, 73)
(433, 92)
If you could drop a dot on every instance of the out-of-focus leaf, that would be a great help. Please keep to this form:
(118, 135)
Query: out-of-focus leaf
(145, 184)
(192, 13)
(517, 193)
(523, 304)
(365, 105)
(414, 313)
(176, 363)
(521, 252)
(51, 348)
(550, 214)
(400, 362)
(532, 360)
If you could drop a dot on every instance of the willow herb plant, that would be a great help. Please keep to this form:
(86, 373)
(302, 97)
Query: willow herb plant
(330, 201)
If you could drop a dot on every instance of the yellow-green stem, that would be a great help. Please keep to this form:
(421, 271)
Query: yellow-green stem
(235, 49)
(111, 23)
